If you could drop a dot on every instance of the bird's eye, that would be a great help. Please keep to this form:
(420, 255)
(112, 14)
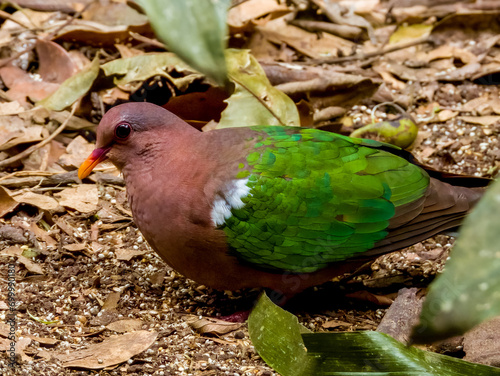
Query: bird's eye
(123, 130)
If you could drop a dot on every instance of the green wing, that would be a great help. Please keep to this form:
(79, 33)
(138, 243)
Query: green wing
(317, 197)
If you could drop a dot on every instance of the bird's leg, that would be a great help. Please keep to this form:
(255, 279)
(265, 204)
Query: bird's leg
(276, 297)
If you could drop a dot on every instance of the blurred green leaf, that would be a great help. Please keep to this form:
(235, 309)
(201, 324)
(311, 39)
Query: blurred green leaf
(73, 88)
(468, 291)
(276, 335)
(255, 101)
(195, 30)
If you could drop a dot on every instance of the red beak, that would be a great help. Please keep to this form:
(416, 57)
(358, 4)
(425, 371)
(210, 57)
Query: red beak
(97, 156)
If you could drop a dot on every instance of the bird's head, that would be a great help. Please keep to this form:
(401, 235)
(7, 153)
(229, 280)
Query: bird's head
(126, 130)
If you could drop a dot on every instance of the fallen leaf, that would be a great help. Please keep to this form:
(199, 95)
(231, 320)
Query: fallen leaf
(113, 350)
(44, 340)
(55, 63)
(7, 203)
(126, 254)
(33, 267)
(480, 120)
(240, 16)
(43, 202)
(128, 325)
(76, 152)
(23, 85)
(112, 300)
(208, 325)
(446, 115)
(83, 198)
(74, 247)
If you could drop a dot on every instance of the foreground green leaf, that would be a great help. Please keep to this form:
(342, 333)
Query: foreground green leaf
(73, 88)
(255, 101)
(276, 335)
(468, 291)
(195, 30)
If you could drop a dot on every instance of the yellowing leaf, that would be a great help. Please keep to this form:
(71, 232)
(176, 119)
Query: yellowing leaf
(255, 101)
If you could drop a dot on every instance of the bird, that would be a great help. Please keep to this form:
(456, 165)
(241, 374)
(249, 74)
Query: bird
(274, 207)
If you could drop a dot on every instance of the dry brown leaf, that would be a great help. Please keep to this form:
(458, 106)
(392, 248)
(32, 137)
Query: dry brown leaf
(327, 45)
(11, 108)
(18, 133)
(241, 15)
(55, 63)
(42, 235)
(44, 340)
(123, 326)
(126, 254)
(112, 300)
(113, 350)
(480, 120)
(7, 203)
(446, 115)
(33, 267)
(23, 85)
(12, 251)
(74, 247)
(330, 324)
(21, 344)
(43, 202)
(76, 152)
(208, 325)
(83, 198)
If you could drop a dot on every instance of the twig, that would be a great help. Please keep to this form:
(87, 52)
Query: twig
(143, 39)
(381, 52)
(47, 37)
(29, 173)
(31, 149)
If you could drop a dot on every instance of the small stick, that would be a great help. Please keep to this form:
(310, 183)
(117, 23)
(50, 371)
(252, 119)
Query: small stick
(31, 149)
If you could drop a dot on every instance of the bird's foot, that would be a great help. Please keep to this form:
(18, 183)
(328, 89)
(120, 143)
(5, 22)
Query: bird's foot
(240, 316)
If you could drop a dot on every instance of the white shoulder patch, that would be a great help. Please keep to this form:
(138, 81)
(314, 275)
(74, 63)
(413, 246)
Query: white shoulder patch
(228, 199)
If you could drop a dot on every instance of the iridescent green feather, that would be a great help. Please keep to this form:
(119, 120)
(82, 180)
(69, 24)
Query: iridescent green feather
(317, 197)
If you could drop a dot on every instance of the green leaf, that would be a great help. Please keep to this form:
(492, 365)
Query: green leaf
(73, 88)
(468, 291)
(275, 334)
(195, 30)
(143, 67)
(255, 101)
